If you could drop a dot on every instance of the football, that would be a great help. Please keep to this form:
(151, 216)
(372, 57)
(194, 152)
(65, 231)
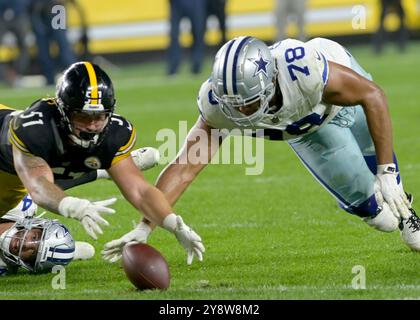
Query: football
(145, 267)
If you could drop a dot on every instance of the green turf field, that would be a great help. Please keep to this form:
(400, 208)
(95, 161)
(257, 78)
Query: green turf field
(278, 235)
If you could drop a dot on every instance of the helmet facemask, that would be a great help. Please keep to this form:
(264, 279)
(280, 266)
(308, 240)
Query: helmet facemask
(85, 139)
(230, 107)
(244, 73)
(35, 244)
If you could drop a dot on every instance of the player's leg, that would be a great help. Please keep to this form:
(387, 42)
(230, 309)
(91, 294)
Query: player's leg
(334, 158)
(174, 49)
(11, 192)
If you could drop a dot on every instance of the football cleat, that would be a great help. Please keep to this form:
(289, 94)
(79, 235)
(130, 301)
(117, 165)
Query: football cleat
(83, 251)
(410, 198)
(384, 221)
(410, 231)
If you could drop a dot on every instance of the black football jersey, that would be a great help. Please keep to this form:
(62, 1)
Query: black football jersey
(36, 131)
(6, 158)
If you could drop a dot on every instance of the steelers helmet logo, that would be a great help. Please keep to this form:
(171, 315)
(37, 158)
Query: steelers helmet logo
(92, 163)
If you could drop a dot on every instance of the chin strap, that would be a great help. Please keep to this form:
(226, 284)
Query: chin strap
(84, 143)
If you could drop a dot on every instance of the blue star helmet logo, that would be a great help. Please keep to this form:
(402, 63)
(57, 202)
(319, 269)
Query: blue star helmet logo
(261, 64)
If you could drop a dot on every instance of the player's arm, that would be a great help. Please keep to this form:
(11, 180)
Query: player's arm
(172, 182)
(138, 191)
(38, 178)
(152, 202)
(181, 172)
(347, 88)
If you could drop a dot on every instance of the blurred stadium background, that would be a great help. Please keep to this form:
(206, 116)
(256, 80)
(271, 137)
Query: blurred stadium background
(274, 236)
(139, 29)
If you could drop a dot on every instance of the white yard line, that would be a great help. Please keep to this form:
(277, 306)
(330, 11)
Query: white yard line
(262, 289)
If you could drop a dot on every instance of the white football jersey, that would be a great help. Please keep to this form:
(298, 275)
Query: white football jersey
(303, 74)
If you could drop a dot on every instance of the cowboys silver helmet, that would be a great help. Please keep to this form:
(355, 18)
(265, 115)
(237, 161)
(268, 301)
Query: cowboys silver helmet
(37, 244)
(243, 73)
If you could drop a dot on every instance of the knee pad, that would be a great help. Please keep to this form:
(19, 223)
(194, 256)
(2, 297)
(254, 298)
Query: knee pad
(384, 221)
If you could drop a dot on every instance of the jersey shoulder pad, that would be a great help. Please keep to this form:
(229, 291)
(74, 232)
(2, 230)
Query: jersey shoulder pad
(121, 137)
(31, 130)
(331, 50)
(303, 70)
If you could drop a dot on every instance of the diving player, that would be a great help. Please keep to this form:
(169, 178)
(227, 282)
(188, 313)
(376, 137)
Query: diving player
(318, 98)
(69, 136)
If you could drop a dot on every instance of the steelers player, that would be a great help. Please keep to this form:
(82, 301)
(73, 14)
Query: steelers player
(70, 135)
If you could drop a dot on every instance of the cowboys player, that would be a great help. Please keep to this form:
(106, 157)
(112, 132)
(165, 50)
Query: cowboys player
(315, 96)
(35, 244)
(70, 135)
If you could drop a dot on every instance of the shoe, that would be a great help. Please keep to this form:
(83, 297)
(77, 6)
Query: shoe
(410, 231)
(146, 158)
(83, 251)
(384, 221)
(410, 198)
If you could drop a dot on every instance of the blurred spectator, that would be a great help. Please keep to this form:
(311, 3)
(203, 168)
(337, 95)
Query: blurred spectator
(217, 8)
(195, 11)
(286, 9)
(82, 42)
(13, 19)
(45, 34)
(380, 36)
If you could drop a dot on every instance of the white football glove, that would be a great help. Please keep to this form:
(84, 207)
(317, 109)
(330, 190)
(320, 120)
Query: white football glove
(397, 200)
(89, 213)
(145, 158)
(113, 250)
(187, 237)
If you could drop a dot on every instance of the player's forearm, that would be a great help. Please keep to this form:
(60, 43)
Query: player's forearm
(46, 194)
(175, 179)
(380, 127)
(152, 203)
(172, 184)
(178, 175)
(38, 179)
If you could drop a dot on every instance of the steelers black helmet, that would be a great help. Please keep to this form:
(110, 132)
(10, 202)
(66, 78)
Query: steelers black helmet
(85, 88)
